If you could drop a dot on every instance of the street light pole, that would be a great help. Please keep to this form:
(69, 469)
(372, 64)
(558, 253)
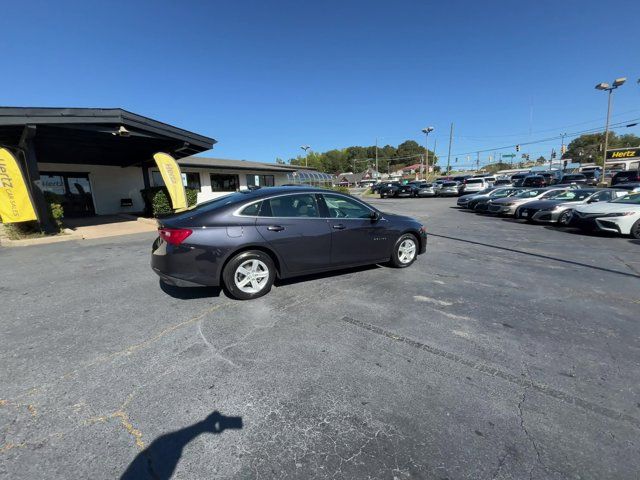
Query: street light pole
(605, 86)
(449, 154)
(426, 147)
(306, 158)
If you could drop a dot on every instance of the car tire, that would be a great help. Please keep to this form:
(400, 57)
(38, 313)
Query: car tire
(403, 255)
(243, 265)
(635, 230)
(564, 218)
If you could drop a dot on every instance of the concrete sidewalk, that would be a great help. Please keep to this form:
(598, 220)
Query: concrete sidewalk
(90, 228)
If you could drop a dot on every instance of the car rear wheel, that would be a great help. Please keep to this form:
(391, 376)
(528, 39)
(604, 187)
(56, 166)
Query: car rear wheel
(249, 275)
(405, 251)
(635, 230)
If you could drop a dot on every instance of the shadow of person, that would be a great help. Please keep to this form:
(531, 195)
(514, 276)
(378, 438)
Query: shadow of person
(159, 460)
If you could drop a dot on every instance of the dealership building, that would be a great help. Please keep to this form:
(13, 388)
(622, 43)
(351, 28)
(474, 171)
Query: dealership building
(99, 159)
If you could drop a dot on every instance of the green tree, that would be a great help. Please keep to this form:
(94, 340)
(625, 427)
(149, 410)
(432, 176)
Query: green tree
(589, 147)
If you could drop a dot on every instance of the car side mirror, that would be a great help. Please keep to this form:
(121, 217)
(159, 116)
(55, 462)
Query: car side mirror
(593, 200)
(374, 216)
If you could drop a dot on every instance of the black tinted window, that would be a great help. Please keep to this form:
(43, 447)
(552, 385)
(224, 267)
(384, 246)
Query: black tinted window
(343, 207)
(251, 210)
(303, 205)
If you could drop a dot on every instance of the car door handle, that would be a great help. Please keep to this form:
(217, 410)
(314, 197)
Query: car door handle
(275, 228)
(339, 226)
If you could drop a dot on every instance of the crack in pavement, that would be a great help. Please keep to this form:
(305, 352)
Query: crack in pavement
(504, 375)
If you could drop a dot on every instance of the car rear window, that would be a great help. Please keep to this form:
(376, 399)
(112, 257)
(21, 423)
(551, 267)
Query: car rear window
(449, 184)
(475, 180)
(573, 177)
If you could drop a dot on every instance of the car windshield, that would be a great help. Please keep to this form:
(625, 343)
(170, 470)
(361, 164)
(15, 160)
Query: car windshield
(632, 199)
(552, 194)
(574, 195)
(530, 193)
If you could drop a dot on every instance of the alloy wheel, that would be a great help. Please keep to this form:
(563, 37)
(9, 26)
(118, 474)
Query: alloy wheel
(406, 251)
(251, 276)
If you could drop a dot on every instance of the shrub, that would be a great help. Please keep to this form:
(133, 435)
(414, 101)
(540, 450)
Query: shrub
(16, 231)
(160, 203)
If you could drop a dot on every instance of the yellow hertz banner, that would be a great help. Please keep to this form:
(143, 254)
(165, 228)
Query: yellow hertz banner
(15, 202)
(172, 177)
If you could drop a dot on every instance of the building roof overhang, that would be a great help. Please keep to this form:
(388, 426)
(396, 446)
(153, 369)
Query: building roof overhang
(96, 136)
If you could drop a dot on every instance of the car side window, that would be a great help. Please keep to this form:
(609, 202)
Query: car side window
(251, 210)
(343, 207)
(302, 205)
(602, 196)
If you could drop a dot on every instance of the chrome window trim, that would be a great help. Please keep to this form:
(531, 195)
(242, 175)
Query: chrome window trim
(236, 212)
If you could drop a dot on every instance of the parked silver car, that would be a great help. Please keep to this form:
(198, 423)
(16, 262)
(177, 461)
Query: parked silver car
(560, 208)
(509, 205)
(426, 190)
(448, 189)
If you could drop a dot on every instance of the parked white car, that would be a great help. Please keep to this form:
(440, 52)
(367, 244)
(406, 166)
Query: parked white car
(621, 215)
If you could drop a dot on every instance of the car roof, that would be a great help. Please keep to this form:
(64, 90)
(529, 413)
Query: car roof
(268, 191)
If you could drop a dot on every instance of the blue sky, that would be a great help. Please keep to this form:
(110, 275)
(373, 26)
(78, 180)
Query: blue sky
(264, 77)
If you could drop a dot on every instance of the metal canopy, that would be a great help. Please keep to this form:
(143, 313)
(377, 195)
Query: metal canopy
(91, 135)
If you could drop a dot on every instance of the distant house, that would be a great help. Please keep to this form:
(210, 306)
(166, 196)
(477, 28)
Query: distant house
(350, 179)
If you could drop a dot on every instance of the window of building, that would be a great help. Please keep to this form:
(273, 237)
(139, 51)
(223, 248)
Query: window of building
(260, 181)
(189, 179)
(222, 182)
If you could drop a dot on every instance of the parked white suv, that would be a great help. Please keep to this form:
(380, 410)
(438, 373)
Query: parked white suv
(474, 185)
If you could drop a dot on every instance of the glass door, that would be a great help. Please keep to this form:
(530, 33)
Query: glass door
(71, 190)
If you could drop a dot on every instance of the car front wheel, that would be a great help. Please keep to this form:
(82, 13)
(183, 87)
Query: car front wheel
(249, 275)
(635, 230)
(405, 251)
(565, 218)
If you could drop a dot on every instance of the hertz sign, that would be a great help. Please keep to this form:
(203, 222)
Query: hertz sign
(623, 153)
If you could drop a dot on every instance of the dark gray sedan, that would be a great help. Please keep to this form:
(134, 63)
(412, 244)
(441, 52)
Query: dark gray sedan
(245, 240)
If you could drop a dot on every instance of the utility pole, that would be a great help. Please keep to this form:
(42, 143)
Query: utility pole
(449, 154)
(377, 171)
(478, 162)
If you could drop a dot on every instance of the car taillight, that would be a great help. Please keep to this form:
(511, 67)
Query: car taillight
(174, 236)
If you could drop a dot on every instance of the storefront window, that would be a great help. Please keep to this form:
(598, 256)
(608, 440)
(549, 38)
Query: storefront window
(52, 183)
(191, 180)
(221, 182)
(260, 181)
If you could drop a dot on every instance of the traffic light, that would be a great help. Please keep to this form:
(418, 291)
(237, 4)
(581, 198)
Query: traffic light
(553, 154)
(563, 149)
(517, 148)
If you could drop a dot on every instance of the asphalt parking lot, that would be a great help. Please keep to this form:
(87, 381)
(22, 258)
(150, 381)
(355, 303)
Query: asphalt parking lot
(508, 351)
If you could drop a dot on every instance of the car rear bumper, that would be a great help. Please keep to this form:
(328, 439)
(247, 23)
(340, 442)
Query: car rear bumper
(185, 265)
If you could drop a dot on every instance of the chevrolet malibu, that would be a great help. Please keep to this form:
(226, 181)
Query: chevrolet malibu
(245, 240)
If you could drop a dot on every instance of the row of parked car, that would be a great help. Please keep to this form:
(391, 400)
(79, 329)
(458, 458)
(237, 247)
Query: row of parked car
(607, 209)
(464, 184)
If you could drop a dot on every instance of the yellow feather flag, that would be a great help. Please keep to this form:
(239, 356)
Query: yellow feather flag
(172, 177)
(15, 201)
